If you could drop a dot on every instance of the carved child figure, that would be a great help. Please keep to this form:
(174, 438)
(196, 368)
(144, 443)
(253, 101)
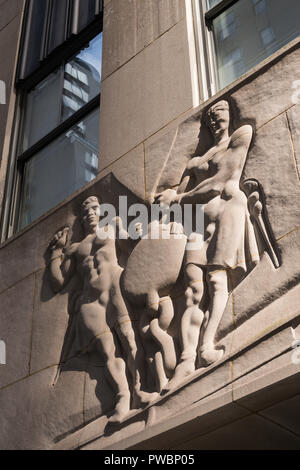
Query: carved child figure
(100, 308)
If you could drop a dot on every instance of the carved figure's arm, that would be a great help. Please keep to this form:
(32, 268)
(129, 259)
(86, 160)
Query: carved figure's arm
(203, 192)
(200, 194)
(168, 196)
(61, 266)
(241, 137)
(125, 242)
(186, 177)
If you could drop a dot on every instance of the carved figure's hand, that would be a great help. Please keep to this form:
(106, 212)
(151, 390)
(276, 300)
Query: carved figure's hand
(139, 229)
(59, 240)
(166, 198)
(117, 221)
(254, 204)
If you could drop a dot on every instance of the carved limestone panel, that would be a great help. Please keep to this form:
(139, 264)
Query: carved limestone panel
(149, 300)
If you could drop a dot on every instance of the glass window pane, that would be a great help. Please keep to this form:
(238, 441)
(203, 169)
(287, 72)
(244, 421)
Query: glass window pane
(42, 109)
(31, 54)
(250, 31)
(58, 24)
(212, 3)
(63, 93)
(82, 78)
(86, 14)
(60, 169)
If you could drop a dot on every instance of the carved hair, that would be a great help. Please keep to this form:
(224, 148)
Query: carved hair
(89, 200)
(223, 103)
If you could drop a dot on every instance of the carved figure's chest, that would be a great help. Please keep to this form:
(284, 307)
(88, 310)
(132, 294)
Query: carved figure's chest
(89, 247)
(210, 167)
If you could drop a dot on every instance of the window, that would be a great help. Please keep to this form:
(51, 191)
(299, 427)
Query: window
(62, 93)
(57, 118)
(227, 26)
(259, 6)
(267, 36)
(60, 168)
(241, 33)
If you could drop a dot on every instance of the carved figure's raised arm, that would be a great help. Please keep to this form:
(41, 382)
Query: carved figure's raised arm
(61, 265)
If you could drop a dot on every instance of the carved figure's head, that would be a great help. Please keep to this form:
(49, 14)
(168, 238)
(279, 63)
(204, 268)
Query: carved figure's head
(90, 213)
(218, 118)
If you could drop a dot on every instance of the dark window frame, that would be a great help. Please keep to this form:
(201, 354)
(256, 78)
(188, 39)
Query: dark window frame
(60, 129)
(58, 57)
(215, 11)
(61, 53)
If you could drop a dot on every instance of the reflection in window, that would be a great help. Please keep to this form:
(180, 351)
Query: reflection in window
(233, 65)
(212, 3)
(257, 37)
(63, 93)
(227, 26)
(259, 6)
(267, 36)
(233, 57)
(71, 104)
(82, 78)
(37, 122)
(59, 169)
(91, 166)
(92, 56)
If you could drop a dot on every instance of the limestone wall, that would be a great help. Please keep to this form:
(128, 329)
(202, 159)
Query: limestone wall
(146, 97)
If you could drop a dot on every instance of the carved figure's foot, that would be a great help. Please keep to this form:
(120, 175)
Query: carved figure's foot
(210, 355)
(122, 408)
(144, 398)
(182, 371)
(161, 384)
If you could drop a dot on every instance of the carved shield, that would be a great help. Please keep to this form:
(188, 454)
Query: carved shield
(153, 265)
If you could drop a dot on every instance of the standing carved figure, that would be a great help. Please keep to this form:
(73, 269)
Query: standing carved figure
(100, 308)
(230, 246)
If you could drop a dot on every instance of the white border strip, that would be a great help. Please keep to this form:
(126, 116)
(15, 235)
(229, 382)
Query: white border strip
(192, 53)
(201, 50)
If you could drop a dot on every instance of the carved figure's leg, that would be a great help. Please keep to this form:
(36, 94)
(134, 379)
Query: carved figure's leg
(218, 293)
(161, 311)
(134, 356)
(93, 317)
(159, 327)
(153, 355)
(190, 324)
(115, 370)
(161, 378)
(135, 362)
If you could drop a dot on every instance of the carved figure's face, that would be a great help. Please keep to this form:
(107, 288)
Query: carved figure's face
(218, 117)
(91, 215)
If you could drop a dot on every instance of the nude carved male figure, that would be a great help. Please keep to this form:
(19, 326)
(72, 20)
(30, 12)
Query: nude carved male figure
(100, 307)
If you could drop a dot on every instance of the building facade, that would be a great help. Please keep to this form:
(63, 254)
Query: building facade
(149, 257)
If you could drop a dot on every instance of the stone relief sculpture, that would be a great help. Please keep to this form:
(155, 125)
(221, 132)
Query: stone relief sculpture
(152, 270)
(230, 247)
(235, 236)
(99, 306)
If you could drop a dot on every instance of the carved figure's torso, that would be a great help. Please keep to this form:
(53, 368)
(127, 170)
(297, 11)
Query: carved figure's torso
(225, 213)
(96, 262)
